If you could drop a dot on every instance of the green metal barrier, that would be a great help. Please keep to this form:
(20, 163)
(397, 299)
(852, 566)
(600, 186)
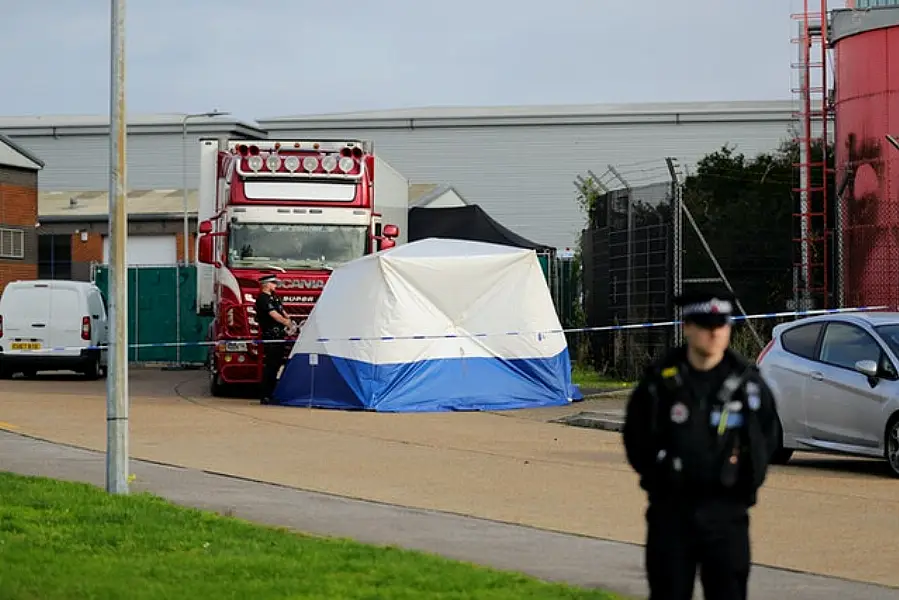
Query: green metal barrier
(544, 264)
(563, 285)
(161, 309)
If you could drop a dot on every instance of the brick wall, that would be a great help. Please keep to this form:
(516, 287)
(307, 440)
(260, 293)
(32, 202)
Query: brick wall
(89, 251)
(12, 270)
(192, 248)
(92, 249)
(18, 209)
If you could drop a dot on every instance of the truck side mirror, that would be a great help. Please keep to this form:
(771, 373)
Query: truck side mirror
(205, 227)
(391, 231)
(386, 244)
(205, 250)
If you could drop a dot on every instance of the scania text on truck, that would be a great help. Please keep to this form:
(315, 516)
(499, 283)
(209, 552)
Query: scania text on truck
(299, 208)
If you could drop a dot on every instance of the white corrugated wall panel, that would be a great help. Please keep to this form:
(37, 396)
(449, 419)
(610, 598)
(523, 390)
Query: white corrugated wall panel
(522, 175)
(81, 162)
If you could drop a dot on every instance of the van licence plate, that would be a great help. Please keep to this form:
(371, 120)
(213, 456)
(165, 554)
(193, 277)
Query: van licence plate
(25, 346)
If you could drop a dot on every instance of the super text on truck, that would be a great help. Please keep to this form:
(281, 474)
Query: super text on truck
(299, 208)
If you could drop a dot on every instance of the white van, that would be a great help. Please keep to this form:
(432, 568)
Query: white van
(53, 325)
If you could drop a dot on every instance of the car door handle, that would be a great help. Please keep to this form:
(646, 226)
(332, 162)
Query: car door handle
(817, 375)
(38, 325)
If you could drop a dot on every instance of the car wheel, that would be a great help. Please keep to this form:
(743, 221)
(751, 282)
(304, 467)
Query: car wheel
(891, 445)
(29, 374)
(782, 455)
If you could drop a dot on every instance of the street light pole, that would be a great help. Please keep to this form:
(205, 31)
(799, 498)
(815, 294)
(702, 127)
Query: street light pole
(184, 119)
(117, 352)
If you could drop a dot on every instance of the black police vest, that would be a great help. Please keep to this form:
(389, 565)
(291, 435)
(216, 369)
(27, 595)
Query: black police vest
(710, 445)
(269, 328)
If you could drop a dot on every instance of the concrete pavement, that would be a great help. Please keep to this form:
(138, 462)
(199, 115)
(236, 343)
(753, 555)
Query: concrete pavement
(553, 556)
(823, 515)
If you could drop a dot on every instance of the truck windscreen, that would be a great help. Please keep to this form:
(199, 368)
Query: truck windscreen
(255, 245)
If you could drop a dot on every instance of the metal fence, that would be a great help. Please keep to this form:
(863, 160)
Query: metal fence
(162, 303)
(628, 252)
(644, 245)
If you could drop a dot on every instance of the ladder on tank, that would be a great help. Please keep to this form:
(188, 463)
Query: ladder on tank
(811, 223)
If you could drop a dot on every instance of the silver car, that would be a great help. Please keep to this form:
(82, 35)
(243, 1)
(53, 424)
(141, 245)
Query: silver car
(836, 382)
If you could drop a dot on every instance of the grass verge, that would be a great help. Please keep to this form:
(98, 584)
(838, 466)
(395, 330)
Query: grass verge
(62, 540)
(590, 378)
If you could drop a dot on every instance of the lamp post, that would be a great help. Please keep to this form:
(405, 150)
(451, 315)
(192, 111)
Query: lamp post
(117, 354)
(184, 119)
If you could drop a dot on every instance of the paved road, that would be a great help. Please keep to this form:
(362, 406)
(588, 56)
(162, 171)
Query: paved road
(514, 467)
(548, 555)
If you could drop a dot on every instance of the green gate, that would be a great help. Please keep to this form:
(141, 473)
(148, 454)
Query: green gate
(161, 310)
(562, 279)
(544, 264)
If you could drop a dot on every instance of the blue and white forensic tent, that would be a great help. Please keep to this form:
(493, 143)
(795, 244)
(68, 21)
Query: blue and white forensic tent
(433, 325)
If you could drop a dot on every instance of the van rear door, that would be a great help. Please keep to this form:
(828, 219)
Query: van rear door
(26, 316)
(67, 311)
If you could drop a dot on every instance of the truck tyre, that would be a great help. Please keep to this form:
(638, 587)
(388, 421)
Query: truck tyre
(217, 387)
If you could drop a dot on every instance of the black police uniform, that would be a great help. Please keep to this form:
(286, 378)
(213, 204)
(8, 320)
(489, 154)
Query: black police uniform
(701, 443)
(273, 354)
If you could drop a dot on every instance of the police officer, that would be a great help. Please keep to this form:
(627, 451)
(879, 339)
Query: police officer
(700, 430)
(274, 324)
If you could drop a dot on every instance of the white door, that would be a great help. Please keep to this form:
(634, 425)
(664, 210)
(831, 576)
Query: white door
(26, 314)
(67, 312)
(147, 250)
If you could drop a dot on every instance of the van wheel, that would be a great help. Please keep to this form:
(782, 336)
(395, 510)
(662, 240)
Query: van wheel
(92, 371)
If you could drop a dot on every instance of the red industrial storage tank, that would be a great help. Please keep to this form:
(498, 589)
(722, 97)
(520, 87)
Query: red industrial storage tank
(866, 48)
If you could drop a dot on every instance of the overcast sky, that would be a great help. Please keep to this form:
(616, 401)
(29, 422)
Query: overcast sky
(258, 59)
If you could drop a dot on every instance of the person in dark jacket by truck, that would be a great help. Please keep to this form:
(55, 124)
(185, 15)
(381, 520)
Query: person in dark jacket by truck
(274, 325)
(700, 429)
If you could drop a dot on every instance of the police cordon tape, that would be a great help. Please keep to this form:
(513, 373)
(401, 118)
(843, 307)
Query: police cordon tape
(234, 343)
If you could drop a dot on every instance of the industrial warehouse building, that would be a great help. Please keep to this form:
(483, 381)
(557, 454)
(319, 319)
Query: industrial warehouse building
(517, 163)
(18, 212)
(520, 163)
(73, 201)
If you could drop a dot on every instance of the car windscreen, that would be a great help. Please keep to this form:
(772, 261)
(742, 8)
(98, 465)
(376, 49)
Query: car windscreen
(890, 334)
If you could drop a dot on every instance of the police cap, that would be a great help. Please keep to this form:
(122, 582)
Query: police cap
(707, 307)
(271, 278)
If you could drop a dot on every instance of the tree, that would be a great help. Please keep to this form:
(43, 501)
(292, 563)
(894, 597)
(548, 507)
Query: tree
(745, 209)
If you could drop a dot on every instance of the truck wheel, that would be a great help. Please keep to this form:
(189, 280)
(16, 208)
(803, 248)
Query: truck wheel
(217, 387)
